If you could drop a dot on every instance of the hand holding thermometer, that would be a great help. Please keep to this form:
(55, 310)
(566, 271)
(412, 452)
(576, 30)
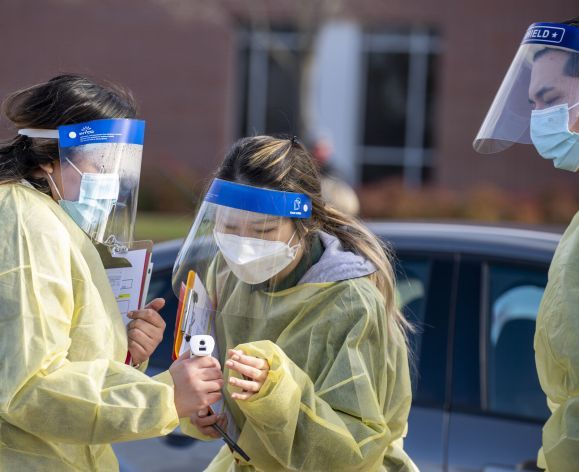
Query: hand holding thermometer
(203, 345)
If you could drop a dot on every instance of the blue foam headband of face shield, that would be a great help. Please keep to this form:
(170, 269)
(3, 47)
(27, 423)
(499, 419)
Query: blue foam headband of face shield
(118, 130)
(259, 200)
(553, 34)
(114, 130)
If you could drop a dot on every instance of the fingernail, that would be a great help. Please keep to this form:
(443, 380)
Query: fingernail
(229, 364)
(232, 380)
(235, 358)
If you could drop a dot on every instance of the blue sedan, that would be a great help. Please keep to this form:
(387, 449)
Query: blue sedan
(473, 293)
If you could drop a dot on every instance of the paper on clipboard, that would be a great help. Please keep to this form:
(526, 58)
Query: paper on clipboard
(194, 315)
(130, 282)
(146, 285)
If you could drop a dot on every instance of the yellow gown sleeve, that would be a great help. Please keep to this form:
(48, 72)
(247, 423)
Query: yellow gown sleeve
(142, 367)
(557, 357)
(561, 437)
(347, 421)
(41, 391)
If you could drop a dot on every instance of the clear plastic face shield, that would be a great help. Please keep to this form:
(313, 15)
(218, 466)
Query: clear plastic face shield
(245, 234)
(538, 101)
(237, 278)
(100, 165)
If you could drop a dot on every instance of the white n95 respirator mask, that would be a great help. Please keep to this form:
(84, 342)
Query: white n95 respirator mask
(255, 260)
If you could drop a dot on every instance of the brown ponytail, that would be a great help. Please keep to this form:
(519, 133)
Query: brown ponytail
(357, 238)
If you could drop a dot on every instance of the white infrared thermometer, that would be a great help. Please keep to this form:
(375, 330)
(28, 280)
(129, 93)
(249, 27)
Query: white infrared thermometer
(201, 345)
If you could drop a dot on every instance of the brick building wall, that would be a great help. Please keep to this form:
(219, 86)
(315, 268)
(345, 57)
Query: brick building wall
(183, 71)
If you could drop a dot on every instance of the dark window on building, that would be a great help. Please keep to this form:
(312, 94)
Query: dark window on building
(398, 115)
(269, 85)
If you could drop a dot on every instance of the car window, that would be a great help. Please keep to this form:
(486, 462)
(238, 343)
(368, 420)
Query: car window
(424, 292)
(514, 295)
(412, 281)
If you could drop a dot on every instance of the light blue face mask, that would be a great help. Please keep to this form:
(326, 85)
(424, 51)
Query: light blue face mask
(97, 197)
(551, 136)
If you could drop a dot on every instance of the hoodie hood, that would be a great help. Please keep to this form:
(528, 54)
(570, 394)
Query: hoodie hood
(337, 264)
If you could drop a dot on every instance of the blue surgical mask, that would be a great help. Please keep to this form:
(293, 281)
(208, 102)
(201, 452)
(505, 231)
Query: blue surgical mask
(551, 136)
(97, 196)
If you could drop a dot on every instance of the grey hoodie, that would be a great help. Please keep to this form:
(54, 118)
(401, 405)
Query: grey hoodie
(337, 264)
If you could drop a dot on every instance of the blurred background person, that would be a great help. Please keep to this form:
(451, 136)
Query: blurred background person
(335, 191)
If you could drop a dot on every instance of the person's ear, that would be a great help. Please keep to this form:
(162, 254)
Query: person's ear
(47, 167)
(46, 170)
(43, 169)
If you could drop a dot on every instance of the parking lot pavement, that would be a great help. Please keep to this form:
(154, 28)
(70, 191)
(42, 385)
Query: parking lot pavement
(147, 456)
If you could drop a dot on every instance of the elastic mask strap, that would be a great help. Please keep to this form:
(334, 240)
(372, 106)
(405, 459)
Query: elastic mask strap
(570, 108)
(290, 239)
(55, 186)
(81, 172)
(75, 168)
(39, 133)
(295, 246)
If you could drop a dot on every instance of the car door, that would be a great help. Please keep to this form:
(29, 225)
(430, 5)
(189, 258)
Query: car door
(497, 408)
(426, 283)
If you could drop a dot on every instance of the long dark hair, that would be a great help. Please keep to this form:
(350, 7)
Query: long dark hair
(64, 99)
(284, 164)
